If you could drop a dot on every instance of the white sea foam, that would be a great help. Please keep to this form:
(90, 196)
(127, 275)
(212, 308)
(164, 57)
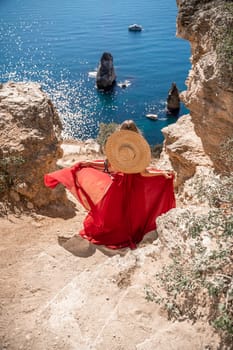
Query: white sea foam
(92, 74)
(124, 84)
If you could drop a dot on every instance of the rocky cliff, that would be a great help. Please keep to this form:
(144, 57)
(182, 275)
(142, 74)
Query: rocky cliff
(200, 148)
(208, 26)
(184, 150)
(30, 138)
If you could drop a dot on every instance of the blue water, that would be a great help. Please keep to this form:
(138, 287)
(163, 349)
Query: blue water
(57, 43)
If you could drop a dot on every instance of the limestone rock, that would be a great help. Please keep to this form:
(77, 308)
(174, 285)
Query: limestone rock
(77, 150)
(30, 138)
(184, 149)
(173, 233)
(106, 76)
(208, 26)
(204, 179)
(125, 319)
(173, 100)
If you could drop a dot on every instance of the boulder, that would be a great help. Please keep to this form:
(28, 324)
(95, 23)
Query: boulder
(106, 77)
(30, 138)
(173, 100)
(184, 149)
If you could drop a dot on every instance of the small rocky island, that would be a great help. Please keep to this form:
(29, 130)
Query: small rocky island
(173, 101)
(106, 77)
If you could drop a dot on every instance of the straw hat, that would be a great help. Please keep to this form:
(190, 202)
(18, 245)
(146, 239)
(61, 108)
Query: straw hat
(127, 152)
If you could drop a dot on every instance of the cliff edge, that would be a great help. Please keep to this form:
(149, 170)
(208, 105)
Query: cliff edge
(208, 26)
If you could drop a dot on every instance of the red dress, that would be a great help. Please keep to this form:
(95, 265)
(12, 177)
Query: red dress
(122, 207)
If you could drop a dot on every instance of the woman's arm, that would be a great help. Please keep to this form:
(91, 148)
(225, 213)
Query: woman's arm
(100, 164)
(96, 164)
(155, 172)
(103, 165)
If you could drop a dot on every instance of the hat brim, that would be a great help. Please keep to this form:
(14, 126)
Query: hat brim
(127, 152)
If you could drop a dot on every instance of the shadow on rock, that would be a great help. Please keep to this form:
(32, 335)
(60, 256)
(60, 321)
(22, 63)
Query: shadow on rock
(59, 210)
(77, 245)
(81, 247)
(111, 252)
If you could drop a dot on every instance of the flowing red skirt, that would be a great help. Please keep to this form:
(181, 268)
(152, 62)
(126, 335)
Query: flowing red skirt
(122, 207)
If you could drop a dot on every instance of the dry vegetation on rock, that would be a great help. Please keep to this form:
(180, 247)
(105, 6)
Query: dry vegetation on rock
(198, 281)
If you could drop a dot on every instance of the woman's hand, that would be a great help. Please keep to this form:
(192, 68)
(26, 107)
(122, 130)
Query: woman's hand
(168, 174)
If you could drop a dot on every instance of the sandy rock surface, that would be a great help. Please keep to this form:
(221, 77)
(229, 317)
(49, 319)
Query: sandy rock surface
(51, 299)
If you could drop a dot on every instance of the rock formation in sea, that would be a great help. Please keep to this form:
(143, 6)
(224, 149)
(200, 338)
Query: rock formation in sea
(208, 26)
(30, 138)
(106, 77)
(173, 100)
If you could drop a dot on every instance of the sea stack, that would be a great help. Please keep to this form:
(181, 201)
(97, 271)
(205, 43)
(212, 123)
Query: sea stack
(106, 76)
(173, 100)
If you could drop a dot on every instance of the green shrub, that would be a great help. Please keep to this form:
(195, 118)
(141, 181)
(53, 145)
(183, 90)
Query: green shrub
(105, 130)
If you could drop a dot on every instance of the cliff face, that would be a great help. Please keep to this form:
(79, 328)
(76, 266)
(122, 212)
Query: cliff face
(29, 144)
(208, 25)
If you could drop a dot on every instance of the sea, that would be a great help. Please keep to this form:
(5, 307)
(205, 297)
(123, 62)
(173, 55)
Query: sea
(59, 44)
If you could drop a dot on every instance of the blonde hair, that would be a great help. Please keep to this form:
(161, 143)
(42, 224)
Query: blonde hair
(126, 125)
(129, 125)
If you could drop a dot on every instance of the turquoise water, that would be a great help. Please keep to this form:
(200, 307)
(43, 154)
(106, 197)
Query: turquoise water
(58, 43)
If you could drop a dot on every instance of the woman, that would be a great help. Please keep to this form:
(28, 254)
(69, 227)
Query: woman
(122, 194)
